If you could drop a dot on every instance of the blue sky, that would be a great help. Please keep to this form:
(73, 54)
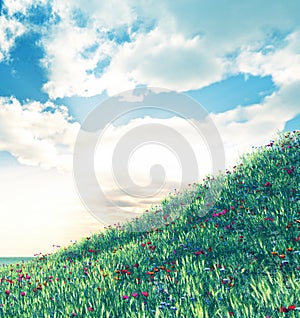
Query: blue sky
(60, 60)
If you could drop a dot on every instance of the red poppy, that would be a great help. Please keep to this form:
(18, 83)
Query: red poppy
(283, 309)
(268, 184)
(198, 253)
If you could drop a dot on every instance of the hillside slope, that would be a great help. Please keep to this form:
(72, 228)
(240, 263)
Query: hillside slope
(234, 255)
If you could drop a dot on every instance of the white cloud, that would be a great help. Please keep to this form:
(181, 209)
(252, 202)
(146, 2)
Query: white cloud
(165, 60)
(102, 14)
(18, 6)
(254, 125)
(229, 25)
(283, 64)
(36, 136)
(190, 47)
(10, 29)
(72, 64)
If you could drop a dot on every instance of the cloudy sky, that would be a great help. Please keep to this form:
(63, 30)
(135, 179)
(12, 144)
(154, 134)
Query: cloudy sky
(60, 59)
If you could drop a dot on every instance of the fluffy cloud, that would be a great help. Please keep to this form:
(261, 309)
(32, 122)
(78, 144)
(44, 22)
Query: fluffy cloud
(283, 63)
(164, 60)
(254, 125)
(176, 45)
(10, 29)
(37, 134)
(77, 69)
(180, 46)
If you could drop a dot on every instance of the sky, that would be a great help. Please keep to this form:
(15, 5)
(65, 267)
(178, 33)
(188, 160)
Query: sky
(61, 60)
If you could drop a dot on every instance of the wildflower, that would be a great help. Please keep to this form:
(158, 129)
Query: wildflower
(90, 309)
(283, 309)
(134, 295)
(7, 292)
(150, 273)
(125, 297)
(297, 238)
(23, 294)
(145, 294)
(269, 219)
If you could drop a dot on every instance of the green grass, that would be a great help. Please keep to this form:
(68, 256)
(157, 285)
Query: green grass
(193, 262)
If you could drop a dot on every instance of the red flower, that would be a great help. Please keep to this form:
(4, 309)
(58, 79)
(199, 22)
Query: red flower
(291, 307)
(145, 294)
(269, 219)
(283, 309)
(297, 238)
(7, 292)
(90, 309)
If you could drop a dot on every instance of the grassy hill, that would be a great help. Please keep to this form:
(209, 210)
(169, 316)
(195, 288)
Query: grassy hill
(226, 247)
